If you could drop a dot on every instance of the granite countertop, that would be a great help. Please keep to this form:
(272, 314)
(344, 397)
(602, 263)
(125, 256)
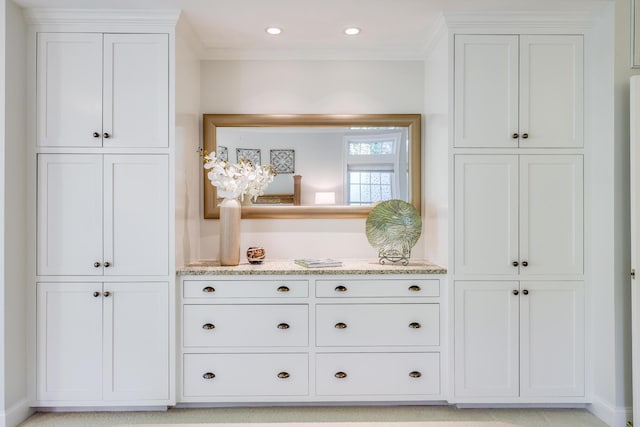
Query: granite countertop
(288, 267)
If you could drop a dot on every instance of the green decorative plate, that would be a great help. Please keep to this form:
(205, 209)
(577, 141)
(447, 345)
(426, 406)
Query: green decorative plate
(393, 227)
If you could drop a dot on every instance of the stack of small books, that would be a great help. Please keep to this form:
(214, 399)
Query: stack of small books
(318, 262)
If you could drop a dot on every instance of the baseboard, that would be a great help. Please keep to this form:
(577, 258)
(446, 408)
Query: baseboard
(611, 415)
(16, 414)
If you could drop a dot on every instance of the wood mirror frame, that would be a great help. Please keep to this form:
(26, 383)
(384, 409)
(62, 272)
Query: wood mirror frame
(412, 121)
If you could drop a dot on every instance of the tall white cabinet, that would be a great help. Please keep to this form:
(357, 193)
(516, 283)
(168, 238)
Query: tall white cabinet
(104, 266)
(518, 222)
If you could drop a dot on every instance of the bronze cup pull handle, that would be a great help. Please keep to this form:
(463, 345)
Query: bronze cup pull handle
(208, 289)
(415, 374)
(283, 375)
(208, 375)
(208, 326)
(414, 288)
(340, 375)
(415, 325)
(283, 326)
(340, 325)
(341, 288)
(283, 289)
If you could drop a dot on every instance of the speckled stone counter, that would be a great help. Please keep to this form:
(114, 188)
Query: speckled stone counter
(288, 267)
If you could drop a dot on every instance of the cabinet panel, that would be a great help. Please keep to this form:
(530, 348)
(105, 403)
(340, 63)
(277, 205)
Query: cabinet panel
(551, 215)
(377, 325)
(552, 339)
(69, 341)
(136, 348)
(486, 339)
(69, 89)
(69, 214)
(486, 91)
(136, 214)
(246, 325)
(486, 214)
(136, 88)
(551, 91)
(246, 375)
(378, 374)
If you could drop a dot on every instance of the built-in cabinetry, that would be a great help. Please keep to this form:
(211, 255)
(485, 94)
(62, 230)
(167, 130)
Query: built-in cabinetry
(292, 335)
(104, 261)
(518, 222)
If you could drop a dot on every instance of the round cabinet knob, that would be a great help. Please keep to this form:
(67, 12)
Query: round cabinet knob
(283, 326)
(283, 375)
(208, 326)
(283, 289)
(96, 135)
(525, 292)
(106, 294)
(208, 375)
(107, 264)
(96, 264)
(525, 264)
(525, 135)
(515, 292)
(415, 374)
(515, 263)
(340, 375)
(515, 136)
(106, 135)
(341, 288)
(208, 289)
(415, 325)
(96, 294)
(340, 325)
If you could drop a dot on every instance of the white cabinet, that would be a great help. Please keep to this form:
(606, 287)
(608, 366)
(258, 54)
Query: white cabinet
(518, 214)
(102, 214)
(102, 90)
(519, 339)
(102, 342)
(518, 91)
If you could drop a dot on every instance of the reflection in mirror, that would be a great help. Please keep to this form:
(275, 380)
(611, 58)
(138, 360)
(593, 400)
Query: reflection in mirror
(328, 166)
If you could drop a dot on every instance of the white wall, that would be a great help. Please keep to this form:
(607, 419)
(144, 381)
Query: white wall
(322, 87)
(15, 228)
(188, 165)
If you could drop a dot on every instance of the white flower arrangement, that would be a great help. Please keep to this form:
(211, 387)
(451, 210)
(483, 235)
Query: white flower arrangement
(234, 180)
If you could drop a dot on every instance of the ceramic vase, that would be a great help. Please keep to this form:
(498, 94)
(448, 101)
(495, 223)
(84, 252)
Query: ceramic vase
(230, 211)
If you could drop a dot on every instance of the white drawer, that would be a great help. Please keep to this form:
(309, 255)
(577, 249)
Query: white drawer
(257, 288)
(378, 288)
(340, 374)
(245, 375)
(377, 325)
(246, 325)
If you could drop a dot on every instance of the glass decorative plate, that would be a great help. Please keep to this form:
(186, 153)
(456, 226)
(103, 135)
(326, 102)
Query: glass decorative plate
(393, 227)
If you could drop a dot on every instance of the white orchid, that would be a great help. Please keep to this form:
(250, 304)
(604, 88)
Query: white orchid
(234, 180)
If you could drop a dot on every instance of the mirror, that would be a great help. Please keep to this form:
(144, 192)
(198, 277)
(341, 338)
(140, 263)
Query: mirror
(329, 166)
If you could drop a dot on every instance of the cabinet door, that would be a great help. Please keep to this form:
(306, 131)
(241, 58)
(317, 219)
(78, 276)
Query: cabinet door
(552, 339)
(551, 215)
(551, 91)
(136, 202)
(69, 341)
(486, 339)
(69, 214)
(136, 88)
(69, 89)
(136, 347)
(486, 90)
(486, 214)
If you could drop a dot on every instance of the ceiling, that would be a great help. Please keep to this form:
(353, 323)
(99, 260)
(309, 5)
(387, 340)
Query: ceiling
(398, 29)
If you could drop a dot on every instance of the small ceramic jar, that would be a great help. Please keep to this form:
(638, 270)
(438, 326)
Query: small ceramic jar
(256, 254)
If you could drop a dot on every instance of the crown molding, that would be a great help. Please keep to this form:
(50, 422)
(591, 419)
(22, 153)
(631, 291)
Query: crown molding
(560, 22)
(437, 31)
(133, 17)
(311, 54)
(185, 30)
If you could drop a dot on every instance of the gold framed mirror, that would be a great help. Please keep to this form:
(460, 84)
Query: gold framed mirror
(235, 135)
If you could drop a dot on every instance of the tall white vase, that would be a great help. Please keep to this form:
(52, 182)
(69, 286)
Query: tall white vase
(230, 210)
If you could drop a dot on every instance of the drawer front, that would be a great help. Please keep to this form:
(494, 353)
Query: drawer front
(246, 325)
(378, 288)
(377, 325)
(246, 288)
(245, 375)
(377, 374)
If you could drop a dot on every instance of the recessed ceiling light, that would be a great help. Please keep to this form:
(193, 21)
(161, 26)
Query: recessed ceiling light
(274, 31)
(352, 31)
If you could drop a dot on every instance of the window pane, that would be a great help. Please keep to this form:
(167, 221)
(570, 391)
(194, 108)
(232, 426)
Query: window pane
(354, 177)
(354, 193)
